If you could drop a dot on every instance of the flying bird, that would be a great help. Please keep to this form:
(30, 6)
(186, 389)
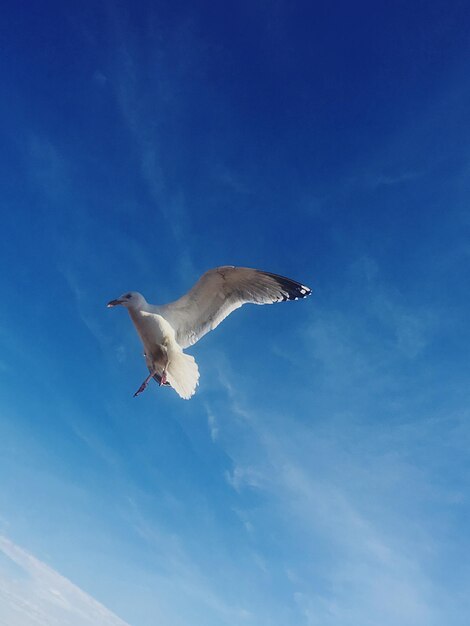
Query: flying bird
(165, 330)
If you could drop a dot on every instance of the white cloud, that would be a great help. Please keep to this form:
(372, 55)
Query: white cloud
(212, 424)
(241, 477)
(33, 594)
(347, 490)
(48, 168)
(354, 565)
(378, 180)
(145, 134)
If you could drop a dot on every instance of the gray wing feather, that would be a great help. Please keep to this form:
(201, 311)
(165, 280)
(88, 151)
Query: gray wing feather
(219, 292)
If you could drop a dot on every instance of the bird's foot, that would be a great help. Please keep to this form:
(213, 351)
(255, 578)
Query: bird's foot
(143, 386)
(163, 380)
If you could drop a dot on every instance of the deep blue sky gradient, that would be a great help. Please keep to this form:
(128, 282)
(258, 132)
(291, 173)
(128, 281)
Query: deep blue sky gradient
(321, 473)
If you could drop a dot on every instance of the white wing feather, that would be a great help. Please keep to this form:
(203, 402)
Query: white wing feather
(219, 292)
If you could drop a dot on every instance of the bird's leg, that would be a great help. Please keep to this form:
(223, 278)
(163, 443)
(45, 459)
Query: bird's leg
(143, 386)
(165, 349)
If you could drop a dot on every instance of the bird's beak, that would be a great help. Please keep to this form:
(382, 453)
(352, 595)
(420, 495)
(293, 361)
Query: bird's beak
(114, 303)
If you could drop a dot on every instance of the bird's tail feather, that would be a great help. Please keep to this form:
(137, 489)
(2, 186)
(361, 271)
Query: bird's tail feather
(183, 374)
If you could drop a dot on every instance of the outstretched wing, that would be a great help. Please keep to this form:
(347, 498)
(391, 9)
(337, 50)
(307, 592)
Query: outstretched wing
(219, 292)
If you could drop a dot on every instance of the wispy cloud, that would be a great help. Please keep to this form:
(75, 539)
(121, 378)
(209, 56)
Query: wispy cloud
(242, 477)
(81, 300)
(344, 492)
(186, 590)
(143, 123)
(47, 167)
(379, 180)
(212, 423)
(357, 561)
(33, 594)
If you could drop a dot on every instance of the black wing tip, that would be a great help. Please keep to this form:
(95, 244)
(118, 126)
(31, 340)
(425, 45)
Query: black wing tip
(291, 289)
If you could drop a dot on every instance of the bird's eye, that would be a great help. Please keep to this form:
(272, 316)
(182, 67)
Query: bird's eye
(129, 295)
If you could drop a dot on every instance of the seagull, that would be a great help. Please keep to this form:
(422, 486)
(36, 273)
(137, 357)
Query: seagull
(166, 330)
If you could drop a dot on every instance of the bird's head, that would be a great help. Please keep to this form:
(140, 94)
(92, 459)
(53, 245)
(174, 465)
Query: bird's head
(130, 300)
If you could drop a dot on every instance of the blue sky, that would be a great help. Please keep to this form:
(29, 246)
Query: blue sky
(321, 474)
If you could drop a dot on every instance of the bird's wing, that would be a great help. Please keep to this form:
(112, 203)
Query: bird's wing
(219, 292)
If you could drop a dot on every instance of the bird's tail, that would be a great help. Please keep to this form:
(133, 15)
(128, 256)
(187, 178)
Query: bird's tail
(183, 373)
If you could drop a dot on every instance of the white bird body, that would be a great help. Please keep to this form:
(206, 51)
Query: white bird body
(151, 327)
(163, 355)
(165, 330)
